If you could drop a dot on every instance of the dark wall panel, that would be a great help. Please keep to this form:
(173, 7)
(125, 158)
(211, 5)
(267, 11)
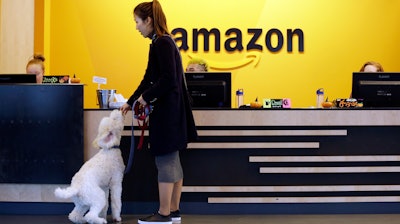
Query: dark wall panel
(41, 133)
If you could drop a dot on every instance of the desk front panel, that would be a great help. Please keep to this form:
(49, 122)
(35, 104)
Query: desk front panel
(281, 156)
(41, 129)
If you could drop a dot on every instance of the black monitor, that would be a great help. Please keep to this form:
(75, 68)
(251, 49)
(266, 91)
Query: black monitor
(209, 89)
(17, 78)
(377, 89)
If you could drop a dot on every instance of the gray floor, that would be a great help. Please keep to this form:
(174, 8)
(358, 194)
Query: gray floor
(229, 219)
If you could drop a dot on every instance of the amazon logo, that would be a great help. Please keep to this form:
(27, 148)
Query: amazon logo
(273, 41)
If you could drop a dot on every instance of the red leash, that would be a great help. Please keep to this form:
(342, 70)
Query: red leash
(141, 114)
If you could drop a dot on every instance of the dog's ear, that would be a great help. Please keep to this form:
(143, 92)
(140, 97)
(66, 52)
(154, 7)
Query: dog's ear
(110, 130)
(104, 133)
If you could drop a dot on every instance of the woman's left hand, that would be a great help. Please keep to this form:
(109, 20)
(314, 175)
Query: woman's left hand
(125, 108)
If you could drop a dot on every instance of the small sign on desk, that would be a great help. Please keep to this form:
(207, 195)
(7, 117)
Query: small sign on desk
(54, 79)
(277, 103)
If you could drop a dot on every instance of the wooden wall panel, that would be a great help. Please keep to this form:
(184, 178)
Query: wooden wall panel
(16, 35)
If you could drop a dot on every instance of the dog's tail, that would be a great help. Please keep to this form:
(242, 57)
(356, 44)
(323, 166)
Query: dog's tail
(66, 192)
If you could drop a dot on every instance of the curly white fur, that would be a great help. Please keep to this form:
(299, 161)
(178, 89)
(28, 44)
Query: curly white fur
(99, 176)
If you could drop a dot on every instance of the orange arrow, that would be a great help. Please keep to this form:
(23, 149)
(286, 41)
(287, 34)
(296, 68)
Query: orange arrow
(248, 59)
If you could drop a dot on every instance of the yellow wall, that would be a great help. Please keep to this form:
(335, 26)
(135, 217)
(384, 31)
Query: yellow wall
(98, 37)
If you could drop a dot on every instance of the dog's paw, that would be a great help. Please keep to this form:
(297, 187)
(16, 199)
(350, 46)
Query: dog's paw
(75, 217)
(117, 219)
(95, 220)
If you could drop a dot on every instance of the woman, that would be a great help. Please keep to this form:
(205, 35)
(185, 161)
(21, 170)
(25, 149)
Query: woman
(197, 65)
(171, 124)
(36, 66)
(371, 66)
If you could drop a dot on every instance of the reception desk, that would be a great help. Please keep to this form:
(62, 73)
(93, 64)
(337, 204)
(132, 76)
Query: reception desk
(296, 161)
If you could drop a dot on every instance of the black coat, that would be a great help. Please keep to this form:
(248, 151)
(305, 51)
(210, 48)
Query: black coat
(171, 123)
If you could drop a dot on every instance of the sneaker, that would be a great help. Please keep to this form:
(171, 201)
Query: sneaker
(176, 216)
(156, 219)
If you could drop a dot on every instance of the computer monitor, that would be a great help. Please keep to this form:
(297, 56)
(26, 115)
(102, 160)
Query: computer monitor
(209, 89)
(377, 89)
(17, 78)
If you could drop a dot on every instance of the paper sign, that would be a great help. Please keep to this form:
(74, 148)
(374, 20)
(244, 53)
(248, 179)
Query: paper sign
(99, 80)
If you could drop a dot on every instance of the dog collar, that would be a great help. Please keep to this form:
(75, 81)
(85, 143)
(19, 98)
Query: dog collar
(115, 147)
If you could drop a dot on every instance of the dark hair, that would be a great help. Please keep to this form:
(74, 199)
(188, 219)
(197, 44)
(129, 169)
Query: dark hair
(154, 11)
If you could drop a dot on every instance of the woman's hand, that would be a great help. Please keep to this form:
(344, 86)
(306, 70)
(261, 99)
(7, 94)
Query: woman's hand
(125, 108)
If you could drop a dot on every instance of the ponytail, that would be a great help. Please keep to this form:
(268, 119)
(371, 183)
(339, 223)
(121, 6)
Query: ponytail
(159, 19)
(154, 11)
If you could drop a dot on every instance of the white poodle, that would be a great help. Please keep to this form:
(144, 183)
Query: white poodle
(104, 172)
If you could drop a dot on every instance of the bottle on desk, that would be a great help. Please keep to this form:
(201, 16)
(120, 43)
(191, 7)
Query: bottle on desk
(320, 97)
(239, 98)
